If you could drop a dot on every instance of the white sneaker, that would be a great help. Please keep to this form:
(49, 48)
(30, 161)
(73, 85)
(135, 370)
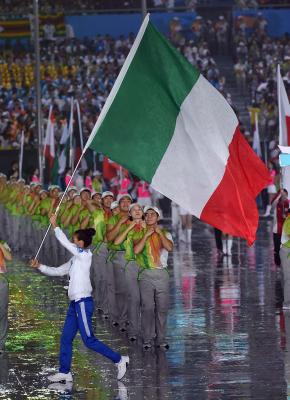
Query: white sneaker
(122, 366)
(61, 387)
(286, 307)
(59, 376)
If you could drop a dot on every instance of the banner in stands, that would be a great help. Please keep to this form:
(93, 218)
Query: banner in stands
(15, 29)
(277, 21)
(116, 24)
(21, 28)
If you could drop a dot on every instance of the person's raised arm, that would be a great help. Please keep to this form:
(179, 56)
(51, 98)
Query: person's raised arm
(112, 231)
(85, 222)
(61, 237)
(120, 238)
(165, 239)
(91, 206)
(75, 218)
(139, 247)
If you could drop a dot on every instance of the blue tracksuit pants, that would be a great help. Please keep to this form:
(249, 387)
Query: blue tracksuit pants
(79, 318)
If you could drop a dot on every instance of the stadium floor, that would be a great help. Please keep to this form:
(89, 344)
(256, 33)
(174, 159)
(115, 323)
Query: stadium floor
(227, 334)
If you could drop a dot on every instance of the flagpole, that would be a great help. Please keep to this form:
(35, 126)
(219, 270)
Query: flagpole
(279, 106)
(61, 200)
(21, 154)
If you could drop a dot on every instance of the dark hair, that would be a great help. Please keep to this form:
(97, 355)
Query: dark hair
(86, 235)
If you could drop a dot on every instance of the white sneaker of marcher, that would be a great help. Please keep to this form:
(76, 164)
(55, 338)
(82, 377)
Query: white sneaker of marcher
(122, 366)
(61, 387)
(286, 307)
(59, 376)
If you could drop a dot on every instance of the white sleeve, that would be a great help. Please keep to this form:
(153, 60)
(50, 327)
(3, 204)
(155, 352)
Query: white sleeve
(61, 237)
(55, 271)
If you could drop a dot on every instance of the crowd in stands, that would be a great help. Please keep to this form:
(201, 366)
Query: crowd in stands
(256, 57)
(86, 70)
(67, 6)
(260, 3)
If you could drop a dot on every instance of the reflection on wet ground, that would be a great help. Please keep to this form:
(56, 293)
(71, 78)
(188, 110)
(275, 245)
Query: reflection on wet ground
(227, 334)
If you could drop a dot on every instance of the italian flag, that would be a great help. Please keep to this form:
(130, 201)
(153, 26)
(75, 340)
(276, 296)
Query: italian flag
(168, 125)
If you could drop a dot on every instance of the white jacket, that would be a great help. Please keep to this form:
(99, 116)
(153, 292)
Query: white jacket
(78, 268)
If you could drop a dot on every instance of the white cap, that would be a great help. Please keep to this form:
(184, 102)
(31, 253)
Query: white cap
(122, 196)
(85, 189)
(32, 184)
(21, 180)
(94, 193)
(147, 208)
(114, 205)
(72, 188)
(52, 187)
(133, 205)
(107, 193)
(97, 173)
(75, 194)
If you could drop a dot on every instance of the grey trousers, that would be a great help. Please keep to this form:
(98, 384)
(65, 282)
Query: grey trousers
(131, 275)
(4, 295)
(111, 296)
(285, 263)
(99, 278)
(119, 263)
(154, 290)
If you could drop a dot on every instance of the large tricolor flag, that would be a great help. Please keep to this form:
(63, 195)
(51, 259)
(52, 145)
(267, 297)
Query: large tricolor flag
(284, 111)
(168, 125)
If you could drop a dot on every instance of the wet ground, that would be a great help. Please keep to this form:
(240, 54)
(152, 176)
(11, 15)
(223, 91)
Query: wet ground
(228, 337)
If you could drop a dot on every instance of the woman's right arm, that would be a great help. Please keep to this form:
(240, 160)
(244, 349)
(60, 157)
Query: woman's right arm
(122, 236)
(138, 248)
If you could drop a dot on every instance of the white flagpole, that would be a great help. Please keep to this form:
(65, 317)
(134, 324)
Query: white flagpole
(21, 154)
